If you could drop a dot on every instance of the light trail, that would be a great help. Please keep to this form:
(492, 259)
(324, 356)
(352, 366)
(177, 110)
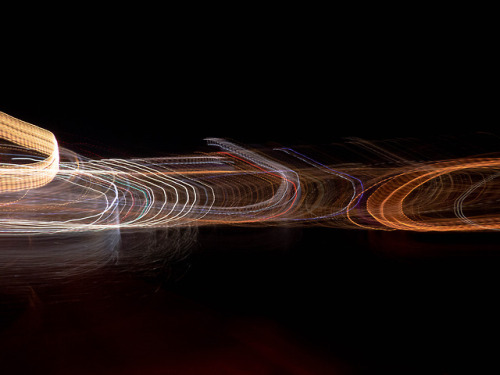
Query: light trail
(45, 189)
(403, 203)
(21, 137)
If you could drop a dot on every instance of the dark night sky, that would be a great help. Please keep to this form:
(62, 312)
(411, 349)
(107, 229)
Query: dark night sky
(354, 299)
(256, 88)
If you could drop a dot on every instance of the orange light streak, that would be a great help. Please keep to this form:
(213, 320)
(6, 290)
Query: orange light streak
(47, 189)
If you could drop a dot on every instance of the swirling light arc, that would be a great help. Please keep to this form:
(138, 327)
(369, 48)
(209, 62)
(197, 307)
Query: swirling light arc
(15, 177)
(48, 189)
(388, 203)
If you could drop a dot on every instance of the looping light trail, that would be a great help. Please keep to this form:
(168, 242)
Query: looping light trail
(23, 137)
(46, 189)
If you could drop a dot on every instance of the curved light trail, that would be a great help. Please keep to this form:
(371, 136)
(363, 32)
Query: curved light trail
(45, 189)
(30, 140)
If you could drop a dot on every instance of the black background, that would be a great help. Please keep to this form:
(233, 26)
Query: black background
(276, 300)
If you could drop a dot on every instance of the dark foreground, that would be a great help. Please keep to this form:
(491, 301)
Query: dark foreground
(266, 301)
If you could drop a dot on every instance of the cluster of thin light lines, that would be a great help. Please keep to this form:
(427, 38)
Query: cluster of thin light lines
(47, 189)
